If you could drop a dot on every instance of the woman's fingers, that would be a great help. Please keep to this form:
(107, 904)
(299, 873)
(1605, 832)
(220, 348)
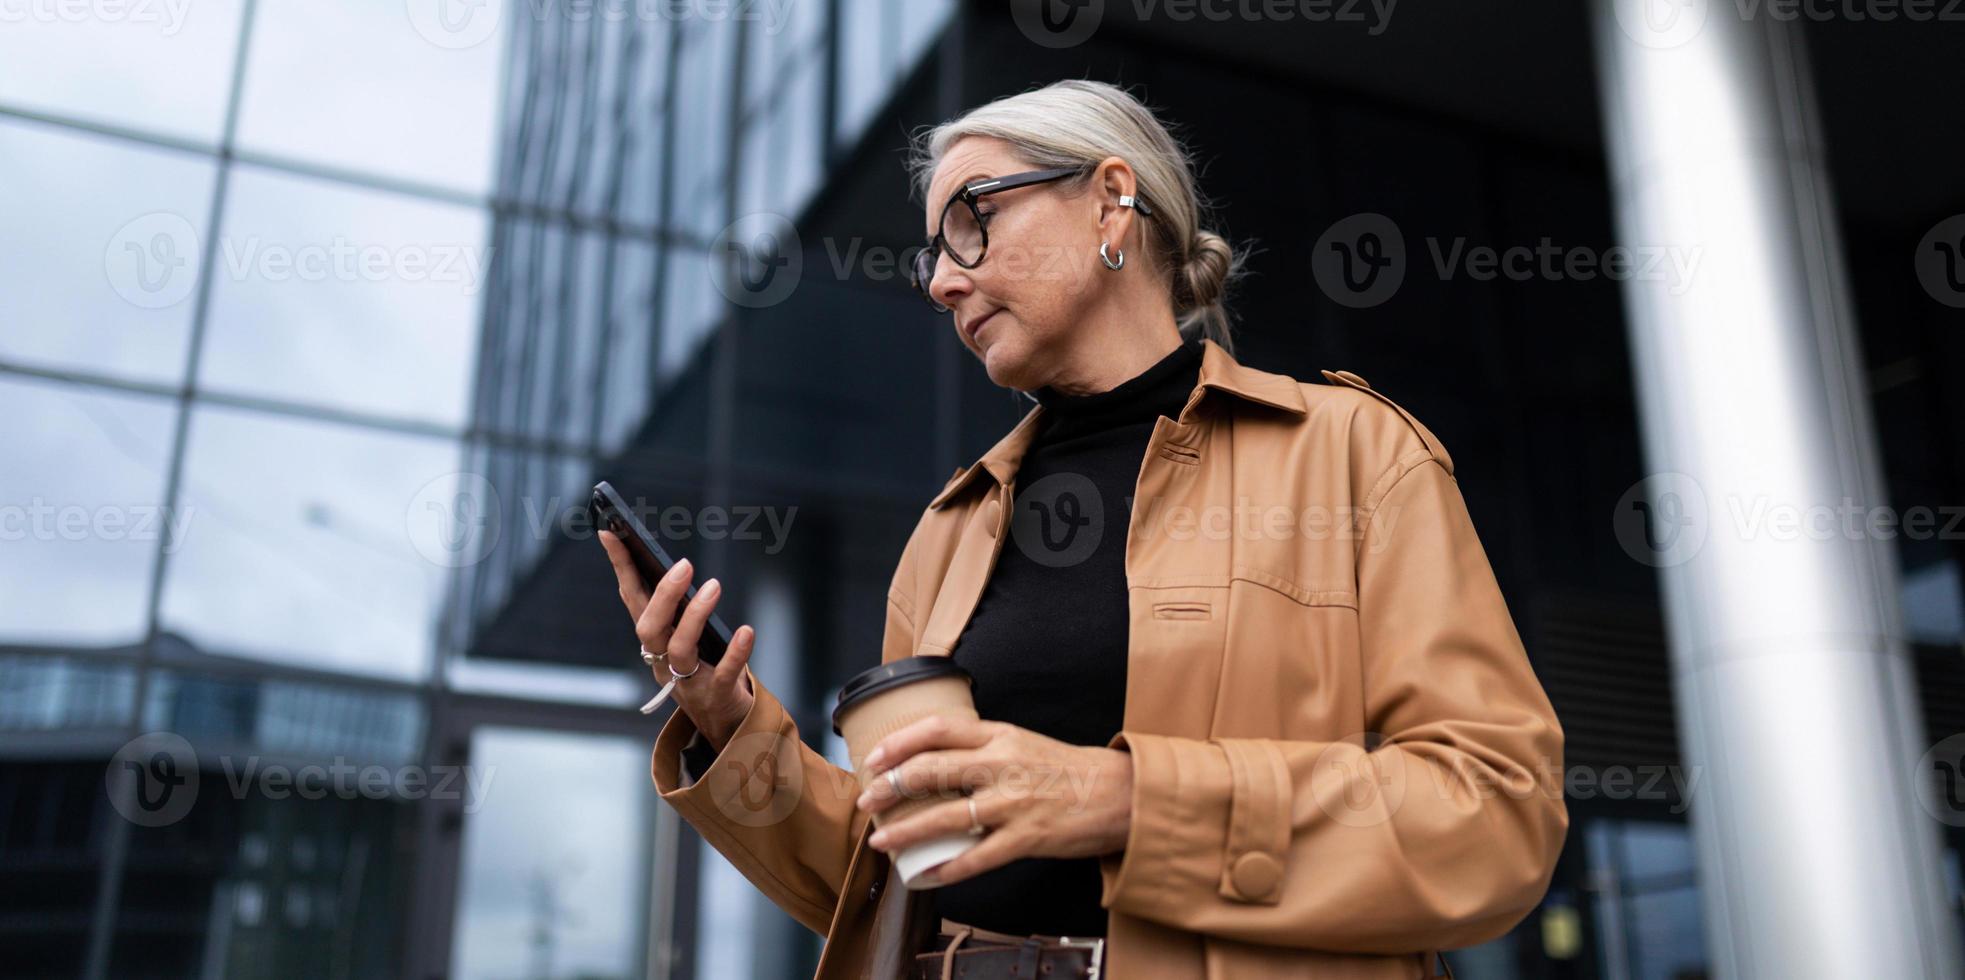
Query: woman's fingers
(932, 732)
(633, 594)
(657, 619)
(682, 642)
(930, 773)
(730, 670)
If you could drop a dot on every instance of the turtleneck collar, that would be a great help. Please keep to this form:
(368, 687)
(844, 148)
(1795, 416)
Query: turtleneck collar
(1162, 389)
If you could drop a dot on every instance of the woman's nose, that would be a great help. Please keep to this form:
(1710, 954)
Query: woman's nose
(950, 282)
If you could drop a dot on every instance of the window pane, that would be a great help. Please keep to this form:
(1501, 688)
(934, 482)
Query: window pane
(105, 283)
(346, 298)
(560, 841)
(316, 543)
(160, 67)
(378, 86)
(631, 319)
(81, 512)
(703, 120)
(292, 853)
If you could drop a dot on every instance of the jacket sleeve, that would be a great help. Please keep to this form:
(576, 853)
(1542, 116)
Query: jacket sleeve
(1440, 829)
(777, 810)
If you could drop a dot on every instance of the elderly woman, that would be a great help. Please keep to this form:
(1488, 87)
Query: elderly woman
(1251, 704)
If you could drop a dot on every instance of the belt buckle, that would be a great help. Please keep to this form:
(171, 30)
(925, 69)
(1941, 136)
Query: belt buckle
(1097, 946)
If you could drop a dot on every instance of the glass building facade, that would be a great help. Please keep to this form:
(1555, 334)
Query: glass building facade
(317, 321)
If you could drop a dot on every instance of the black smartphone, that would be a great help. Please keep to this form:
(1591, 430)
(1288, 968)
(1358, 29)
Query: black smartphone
(611, 513)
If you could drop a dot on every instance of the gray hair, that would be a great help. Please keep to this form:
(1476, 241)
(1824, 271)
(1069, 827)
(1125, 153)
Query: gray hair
(1076, 123)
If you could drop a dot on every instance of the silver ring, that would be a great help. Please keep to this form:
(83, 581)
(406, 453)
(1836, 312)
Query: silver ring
(692, 673)
(649, 657)
(976, 828)
(894, 780)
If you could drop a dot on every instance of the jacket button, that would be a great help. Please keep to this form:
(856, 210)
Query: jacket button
(992, 516)
(873, 894)
(1256, 874)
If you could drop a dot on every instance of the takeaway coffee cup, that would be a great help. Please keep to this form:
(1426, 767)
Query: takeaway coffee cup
(885, 699)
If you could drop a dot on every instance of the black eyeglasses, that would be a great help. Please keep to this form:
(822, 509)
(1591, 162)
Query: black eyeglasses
(963, 229)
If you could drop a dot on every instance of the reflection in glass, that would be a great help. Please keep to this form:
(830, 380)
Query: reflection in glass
(379, 87)
(703, 112)
(56, 694)
(81, 512)
(293, 858)
(555, 857)
(1648, 918)
(320, 544)
(346, 298)
(159, 67)
(104, 284)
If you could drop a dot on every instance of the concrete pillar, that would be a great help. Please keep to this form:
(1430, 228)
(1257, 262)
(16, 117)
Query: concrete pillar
(1795, 689)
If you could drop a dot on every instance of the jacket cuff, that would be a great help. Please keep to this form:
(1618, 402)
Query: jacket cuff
(1209, 817)
(681, 740)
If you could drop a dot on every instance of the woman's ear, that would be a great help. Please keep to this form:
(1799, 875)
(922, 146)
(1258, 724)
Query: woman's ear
(1112, 179)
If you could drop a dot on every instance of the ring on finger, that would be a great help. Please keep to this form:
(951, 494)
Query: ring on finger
(649, 657)
(894, 780)
(976, 828)
(692, 671)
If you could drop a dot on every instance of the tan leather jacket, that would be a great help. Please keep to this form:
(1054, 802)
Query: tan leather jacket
(1342, 757)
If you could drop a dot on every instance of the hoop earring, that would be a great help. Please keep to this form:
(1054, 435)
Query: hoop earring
(1107, 259)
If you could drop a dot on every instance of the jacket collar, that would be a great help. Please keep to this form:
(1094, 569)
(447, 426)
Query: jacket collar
(1219, 372)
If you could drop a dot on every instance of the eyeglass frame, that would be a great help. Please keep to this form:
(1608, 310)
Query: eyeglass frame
(969, 193)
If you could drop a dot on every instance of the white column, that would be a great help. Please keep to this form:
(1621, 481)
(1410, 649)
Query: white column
(1795, 689)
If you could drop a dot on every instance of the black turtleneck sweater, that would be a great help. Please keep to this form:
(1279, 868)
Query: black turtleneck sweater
(1047, 643)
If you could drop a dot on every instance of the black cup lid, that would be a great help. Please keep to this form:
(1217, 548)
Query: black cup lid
(893, 674)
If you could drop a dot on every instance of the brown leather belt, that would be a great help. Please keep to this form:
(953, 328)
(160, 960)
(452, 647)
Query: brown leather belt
(979, 954)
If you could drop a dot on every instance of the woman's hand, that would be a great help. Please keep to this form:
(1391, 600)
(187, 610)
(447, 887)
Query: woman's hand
(1038, 797)
(716, 699)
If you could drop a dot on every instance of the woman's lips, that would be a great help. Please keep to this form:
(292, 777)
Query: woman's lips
(976, 326)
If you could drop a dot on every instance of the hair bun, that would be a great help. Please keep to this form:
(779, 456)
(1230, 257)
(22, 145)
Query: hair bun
(1205, 274)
